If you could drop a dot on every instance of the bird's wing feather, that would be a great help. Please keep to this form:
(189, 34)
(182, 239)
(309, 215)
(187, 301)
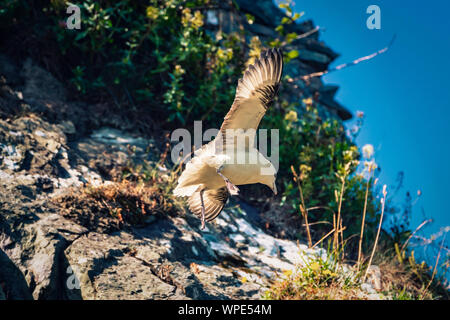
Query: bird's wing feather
(214, 201)
(254, 93)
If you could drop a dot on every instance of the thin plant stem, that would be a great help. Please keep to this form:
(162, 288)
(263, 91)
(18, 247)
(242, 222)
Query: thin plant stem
(378, 233)
(338, 226)
(415, 231)
(301, 36)
(323, 238)
(305, 214)
(349, 64)
(303, 210)
(342, 241)
(362, 224)
(435, 267)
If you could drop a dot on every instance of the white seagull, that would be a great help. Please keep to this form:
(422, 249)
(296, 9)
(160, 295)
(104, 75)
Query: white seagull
(210, 176)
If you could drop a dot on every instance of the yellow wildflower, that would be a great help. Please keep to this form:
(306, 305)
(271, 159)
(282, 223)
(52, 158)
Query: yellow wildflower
(287, 273)
(304, 171)
(255, 50)
(291, 116)
(197, 21)
(152, 13)
(179, 70)
(329, 273)
(308, 101)
(224, 55)
(315, 266)
(187, 16)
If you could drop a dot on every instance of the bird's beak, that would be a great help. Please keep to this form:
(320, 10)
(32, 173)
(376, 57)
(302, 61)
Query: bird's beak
(274, 189)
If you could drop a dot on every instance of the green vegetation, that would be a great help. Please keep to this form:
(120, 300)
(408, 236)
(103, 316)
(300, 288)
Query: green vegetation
(318, 279)
(155, 59)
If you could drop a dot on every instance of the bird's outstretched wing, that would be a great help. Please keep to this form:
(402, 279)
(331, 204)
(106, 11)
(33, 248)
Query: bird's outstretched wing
(255, 92)
(214, 201)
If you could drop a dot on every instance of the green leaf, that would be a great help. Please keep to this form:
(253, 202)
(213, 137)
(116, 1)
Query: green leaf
(81, 35)
(286, 20)
(250, 18)
(279, 29)
(291, 36)
(298, 15)
(293, 54)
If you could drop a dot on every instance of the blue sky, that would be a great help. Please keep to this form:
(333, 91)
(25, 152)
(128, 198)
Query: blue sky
(404, 93)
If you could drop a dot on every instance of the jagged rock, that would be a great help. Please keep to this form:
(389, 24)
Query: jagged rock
(308, 55)
(326, 97)
(314, 55)
(374, 277)
(316, 46)
(116, 266)
(2, 294)
(40, 85)
(10, 101)
(9, 73)
(268, 14)
(49, 150)
(264, 11)
(108, 148)
(261, 30)
(12, 281)
(46, 240)
(35, 243)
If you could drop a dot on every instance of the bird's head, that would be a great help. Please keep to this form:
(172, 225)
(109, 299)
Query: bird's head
(270, 178)
(274, 188)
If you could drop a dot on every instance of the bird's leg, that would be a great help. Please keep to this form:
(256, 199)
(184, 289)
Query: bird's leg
(203, 210)
(232, 189)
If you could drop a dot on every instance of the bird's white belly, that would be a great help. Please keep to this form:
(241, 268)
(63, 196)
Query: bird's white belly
(239, 171)
(240, 174)
(245, 172)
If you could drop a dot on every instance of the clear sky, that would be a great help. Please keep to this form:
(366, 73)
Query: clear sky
(404, 93)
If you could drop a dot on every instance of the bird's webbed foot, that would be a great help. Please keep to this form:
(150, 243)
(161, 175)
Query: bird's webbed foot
(203, 211)
(232, 189)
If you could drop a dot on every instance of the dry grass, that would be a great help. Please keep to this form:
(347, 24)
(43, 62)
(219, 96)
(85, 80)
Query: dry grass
(317, 280)
(111, 207)
(405, 278)
(401, 277)
(331, 280)
(136, 196)
(286, 290)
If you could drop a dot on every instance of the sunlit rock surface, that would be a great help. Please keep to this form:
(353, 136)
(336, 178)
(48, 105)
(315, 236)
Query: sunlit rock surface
(50, 145)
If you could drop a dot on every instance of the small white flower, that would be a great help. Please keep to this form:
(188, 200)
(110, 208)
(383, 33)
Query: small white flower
(368, 151)
(370, 165)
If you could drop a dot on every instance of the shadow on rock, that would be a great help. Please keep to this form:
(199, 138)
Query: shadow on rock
(12, 281)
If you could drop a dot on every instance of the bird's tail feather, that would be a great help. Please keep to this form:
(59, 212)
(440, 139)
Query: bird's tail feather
(185, 191)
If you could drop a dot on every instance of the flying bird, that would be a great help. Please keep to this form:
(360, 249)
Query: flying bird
(212, 174)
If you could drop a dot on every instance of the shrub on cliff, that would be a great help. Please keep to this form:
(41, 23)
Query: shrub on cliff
(157, 60)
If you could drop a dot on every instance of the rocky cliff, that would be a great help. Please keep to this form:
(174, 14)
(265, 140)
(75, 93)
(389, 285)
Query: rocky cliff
(314, 54)
(46, 152)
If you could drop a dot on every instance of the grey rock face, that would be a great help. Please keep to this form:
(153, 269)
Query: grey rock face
(314, 56)
(44, 255)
